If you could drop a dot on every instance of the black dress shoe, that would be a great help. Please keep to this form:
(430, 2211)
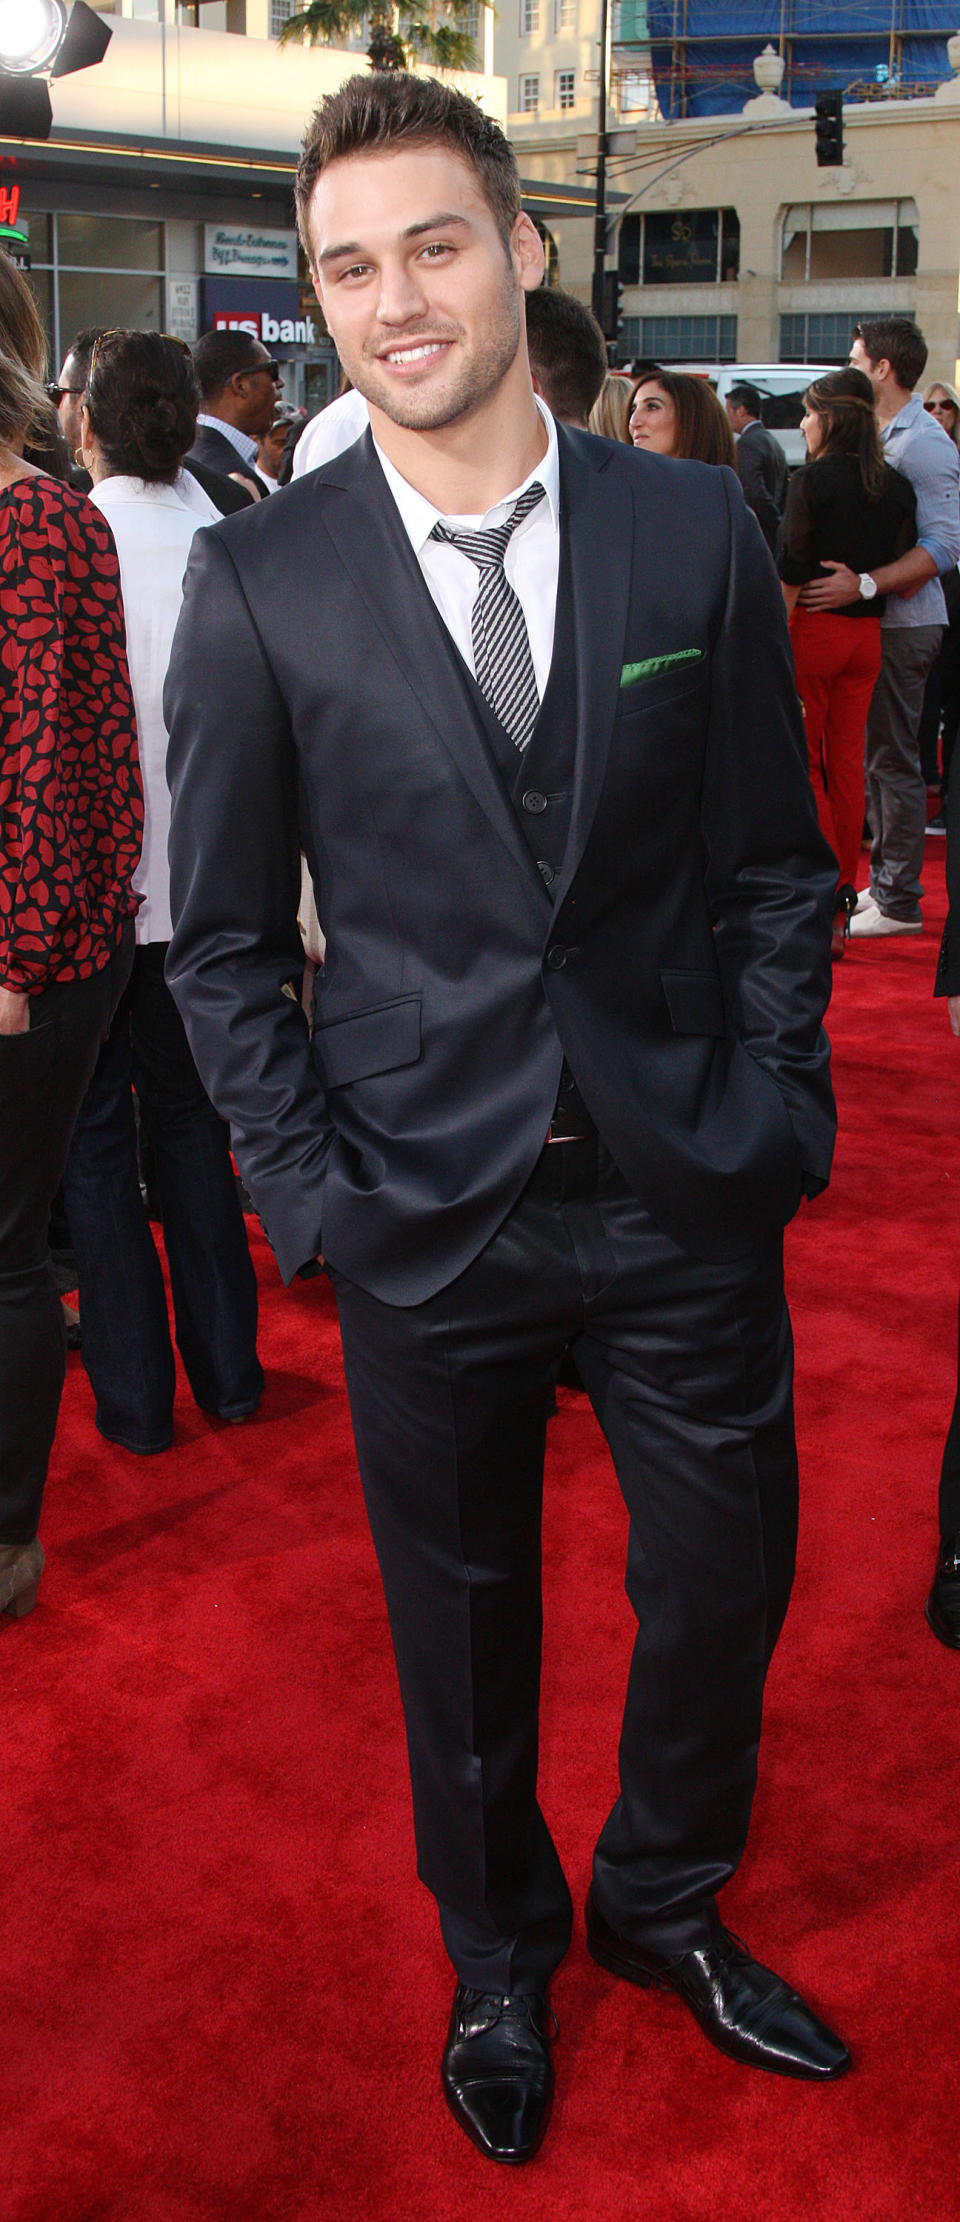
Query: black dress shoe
(497, 2077)
(742, 2007)
(943, 1604)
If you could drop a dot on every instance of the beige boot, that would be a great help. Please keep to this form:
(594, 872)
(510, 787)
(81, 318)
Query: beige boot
(21, 1565)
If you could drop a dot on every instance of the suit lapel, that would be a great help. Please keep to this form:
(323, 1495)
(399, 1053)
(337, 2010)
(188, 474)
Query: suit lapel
(597, 514)
(370, 540)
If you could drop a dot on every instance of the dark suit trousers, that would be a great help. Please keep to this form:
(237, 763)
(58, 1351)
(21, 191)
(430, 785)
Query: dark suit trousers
(44, 1074)
(689, 1369)
(950, 1469)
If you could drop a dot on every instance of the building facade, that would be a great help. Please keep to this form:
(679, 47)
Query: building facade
(164, 196)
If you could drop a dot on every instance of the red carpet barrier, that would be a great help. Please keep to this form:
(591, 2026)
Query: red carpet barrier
(224, 1995)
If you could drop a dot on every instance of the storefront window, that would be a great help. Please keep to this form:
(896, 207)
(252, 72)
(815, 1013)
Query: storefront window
(701, 246)
(849, 239)
(117, 302)
(105, 270)
(109, 243)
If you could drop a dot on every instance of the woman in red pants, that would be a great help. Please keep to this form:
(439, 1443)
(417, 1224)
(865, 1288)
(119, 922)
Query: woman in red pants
(844, 506)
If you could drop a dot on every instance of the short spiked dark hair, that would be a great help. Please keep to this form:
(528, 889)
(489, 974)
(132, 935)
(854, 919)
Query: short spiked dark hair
(392, 108)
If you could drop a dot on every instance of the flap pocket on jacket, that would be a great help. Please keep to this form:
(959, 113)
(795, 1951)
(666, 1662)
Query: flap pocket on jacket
(373, 1041)
(695, 1002)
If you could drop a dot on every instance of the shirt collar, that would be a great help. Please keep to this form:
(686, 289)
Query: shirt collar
(905, 418)
(245, 447)
(419, 516)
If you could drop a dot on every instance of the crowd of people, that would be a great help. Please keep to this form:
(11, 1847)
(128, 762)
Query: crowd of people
(435, 670)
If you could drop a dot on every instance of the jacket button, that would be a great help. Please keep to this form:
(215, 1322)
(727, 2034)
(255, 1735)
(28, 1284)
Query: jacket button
(546, 871)
(534, 802)
(556, 957)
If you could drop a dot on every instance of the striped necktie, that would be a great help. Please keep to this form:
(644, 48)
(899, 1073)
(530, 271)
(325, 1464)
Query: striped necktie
(501, 645)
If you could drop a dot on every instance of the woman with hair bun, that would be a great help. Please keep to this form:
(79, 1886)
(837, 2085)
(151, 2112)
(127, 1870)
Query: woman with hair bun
(71, 817)
(138, 422)
(844, 505)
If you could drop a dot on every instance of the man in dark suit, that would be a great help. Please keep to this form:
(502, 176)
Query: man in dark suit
(568, 1077)
(239, 382)
(760, 461)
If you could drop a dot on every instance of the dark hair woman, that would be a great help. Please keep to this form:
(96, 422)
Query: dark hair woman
(138, 420)
(844, 506)
(71, 817)
(672, 413)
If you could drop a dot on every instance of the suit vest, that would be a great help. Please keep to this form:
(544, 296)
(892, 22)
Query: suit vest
(539, 779)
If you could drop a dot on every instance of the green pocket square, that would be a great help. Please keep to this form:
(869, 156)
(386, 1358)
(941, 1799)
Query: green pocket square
(651, 665)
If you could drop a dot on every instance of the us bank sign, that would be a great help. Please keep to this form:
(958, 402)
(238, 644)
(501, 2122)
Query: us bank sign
(296, 331)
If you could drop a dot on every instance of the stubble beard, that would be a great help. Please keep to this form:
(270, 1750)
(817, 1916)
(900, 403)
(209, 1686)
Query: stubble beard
(473, 382)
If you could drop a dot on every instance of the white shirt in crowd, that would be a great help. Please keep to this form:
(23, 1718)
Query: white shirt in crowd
(152, 527)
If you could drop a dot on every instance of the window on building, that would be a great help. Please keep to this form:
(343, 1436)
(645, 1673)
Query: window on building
(529, 96)
(701, 246)
(679, 339)
(634, 91)
(826, 337)
(565, 92)
(529, 18)
(849, 239)
(90, 269)
(565, 15)
(280, 13)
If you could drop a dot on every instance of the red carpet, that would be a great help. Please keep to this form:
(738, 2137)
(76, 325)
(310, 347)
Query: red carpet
(223, 1990)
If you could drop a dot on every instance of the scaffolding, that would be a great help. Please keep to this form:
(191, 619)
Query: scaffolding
(703, 51)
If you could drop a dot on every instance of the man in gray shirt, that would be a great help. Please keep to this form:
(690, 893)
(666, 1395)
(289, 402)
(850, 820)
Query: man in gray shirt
(892, 352)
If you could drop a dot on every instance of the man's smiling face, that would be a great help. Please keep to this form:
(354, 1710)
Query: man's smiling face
(422, 295)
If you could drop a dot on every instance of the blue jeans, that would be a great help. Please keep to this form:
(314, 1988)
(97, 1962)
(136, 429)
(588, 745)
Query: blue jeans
(126, 1336)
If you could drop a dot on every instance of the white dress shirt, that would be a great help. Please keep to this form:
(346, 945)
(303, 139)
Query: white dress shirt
(532, 561)
(152, 527)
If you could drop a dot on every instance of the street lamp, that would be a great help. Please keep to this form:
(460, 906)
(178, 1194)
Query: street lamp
(39, 40)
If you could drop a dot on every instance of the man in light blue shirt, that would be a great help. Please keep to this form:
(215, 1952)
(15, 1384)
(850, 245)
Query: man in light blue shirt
(892, 352)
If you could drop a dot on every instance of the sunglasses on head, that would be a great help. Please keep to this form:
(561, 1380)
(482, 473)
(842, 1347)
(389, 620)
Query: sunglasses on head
(125, 331)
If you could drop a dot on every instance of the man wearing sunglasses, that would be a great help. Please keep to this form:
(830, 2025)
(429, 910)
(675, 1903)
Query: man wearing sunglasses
(67, 394)
(239, 382)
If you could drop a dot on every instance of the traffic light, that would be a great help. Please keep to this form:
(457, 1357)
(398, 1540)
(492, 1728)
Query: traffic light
(828, 110)
(612, 316)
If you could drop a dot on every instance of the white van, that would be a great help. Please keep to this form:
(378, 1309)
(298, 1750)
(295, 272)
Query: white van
(781, 387)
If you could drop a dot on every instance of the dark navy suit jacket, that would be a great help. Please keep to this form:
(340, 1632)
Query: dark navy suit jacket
(680, 963)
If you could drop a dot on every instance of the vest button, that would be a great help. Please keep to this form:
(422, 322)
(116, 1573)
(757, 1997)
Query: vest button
(534, 802)
(546, 871)
(556, 957)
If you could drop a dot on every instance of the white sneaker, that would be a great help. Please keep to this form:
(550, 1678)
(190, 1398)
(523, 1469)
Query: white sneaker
(865, 901)
(874, 923)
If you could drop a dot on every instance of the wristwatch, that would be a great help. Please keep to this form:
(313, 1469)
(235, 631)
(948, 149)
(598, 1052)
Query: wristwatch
(868, 587)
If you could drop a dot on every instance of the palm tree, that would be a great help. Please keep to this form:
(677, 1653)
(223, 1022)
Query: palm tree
(437, 30)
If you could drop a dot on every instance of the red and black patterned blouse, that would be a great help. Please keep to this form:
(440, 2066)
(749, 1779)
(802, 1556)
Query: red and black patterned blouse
(71, 802)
